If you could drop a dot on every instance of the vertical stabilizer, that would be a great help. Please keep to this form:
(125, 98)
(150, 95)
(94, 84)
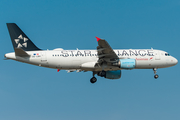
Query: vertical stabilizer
(19, 38)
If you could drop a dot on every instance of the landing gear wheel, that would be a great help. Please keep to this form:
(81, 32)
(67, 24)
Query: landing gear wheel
(93, 79)
(103, 73)
(155, 71)
(156, 76)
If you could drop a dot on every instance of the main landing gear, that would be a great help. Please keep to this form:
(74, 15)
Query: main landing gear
(93, 79)
(101, 73)
(155, 76)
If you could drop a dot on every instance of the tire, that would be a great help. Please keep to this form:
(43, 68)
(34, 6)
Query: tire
(156, 76)
(93, 79)
(103, 73)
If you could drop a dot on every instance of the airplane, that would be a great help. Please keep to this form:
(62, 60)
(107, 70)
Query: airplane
(104, 61)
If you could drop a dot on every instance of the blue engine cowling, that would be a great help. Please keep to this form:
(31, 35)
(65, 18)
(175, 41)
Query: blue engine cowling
(127, 63)
(113, 74)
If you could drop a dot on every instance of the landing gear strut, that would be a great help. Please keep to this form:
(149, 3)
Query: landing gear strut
(155, 76)
(93, 79)
(102, 73)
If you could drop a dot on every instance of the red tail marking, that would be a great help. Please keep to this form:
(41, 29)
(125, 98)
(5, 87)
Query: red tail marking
(58, 70)
(98, 38)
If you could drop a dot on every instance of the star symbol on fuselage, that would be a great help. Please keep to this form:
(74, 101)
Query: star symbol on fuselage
(21, 41)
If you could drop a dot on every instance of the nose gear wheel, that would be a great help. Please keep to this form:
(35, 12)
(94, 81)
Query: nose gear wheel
(155, 71)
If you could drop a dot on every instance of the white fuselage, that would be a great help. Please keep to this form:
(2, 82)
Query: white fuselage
(86, 59)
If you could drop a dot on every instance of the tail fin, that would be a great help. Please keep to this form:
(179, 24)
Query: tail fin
(19, 38)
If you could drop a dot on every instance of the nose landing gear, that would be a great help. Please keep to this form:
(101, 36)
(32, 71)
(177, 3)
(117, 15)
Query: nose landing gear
(155, 76)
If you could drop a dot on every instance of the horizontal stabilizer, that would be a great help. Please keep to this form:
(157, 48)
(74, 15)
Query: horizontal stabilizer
(20, 52)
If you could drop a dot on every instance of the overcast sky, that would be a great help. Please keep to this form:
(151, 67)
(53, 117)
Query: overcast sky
(29, 92)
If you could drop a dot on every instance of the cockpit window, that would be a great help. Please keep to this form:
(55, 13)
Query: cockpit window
(167, 54)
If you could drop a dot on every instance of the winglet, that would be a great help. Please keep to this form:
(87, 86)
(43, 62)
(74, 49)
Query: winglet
(98, 38)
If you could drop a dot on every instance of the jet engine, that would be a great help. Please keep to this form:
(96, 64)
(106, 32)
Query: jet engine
(113, 74)
(126, 63)
(110, 74)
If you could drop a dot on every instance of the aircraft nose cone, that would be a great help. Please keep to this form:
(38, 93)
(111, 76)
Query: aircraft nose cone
(175, 61)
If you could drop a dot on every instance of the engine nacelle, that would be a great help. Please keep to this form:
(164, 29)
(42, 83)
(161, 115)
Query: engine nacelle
(113, 74)
(126, 63)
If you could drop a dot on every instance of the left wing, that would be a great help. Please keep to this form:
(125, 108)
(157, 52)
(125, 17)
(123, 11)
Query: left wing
(105, 52)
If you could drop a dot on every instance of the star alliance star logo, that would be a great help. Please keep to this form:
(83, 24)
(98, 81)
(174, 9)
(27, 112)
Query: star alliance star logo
(21, 41)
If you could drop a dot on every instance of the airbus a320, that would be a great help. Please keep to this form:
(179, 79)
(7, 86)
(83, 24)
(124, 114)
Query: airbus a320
(103, 61)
